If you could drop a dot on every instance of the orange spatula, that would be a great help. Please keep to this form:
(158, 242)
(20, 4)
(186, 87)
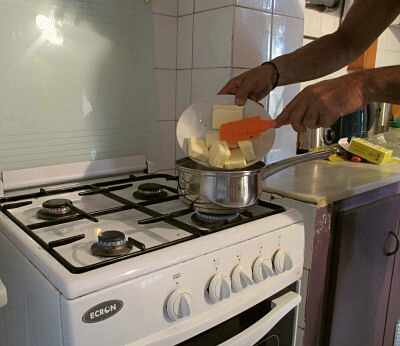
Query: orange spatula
(244, 129)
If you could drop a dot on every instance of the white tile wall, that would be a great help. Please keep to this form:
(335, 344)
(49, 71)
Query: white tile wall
(165, 155)
(168, 7)
(215, 40)
(165, 90)
(292, 8)
(212, 38)
(317, 24)
(185, 42)
(388, 51)
(207, 82)
(252, 33)
(165, 38)
(185, 7)
(183, 91)
(264, 5)
(287, 35)
(203, 5)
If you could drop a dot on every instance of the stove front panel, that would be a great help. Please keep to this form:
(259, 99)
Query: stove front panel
(138, 311)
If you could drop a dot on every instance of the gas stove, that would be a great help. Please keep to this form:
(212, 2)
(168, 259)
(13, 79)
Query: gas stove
(87, 226)
(97, 239)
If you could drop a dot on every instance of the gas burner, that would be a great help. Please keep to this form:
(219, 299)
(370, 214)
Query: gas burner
(214, 220)
(111, 243)
(55, 209)
(150, 191)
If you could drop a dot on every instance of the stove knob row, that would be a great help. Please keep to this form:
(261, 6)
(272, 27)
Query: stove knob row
(179, 304)
(221, 285)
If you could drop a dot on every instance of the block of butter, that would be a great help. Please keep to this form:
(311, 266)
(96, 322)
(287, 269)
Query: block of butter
(225, 113)
(369, 151)
(235, 160)
(198, 148)
(218, 154)
(247, 150)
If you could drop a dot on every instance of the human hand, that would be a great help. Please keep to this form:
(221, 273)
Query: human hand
(254, 84)
(321, 104)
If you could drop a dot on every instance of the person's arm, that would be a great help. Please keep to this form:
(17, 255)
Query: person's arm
(363, 24)
(365, 21)
(321, 104)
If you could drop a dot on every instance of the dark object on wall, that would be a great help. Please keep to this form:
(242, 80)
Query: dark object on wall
(323, 5)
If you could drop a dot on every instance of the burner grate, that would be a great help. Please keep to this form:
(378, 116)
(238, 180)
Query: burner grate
(70, 213)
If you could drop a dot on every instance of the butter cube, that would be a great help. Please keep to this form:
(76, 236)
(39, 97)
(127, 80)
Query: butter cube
(236, 160)
(225, 113)
(369, 151)
(247, 150)
(198, 149)
(211, 138)
(219, 153)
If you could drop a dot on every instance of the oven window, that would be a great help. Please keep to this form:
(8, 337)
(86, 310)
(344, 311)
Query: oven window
(280, 335)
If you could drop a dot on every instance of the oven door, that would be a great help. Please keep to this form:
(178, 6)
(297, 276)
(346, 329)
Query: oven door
(269, 323)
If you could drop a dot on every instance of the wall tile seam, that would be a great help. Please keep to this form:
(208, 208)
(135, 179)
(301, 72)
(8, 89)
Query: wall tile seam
(164, 14)
(213, 9)
(254, 9)
(164, 68)
(277, 14)
(214, 67)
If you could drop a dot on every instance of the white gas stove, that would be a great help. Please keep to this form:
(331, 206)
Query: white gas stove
(108, 254)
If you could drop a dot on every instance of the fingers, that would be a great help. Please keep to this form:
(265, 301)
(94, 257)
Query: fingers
(230, 87)
(293, 114)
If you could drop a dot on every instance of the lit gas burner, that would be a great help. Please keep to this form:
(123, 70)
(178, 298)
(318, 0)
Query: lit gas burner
(210, 220)
(111, 243)
(149, 191)
(54, 209)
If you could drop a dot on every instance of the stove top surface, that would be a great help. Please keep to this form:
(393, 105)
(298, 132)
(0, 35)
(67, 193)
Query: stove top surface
(88, 226)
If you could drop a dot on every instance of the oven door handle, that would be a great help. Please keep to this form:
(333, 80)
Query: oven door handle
(3, 294)
(280, 307)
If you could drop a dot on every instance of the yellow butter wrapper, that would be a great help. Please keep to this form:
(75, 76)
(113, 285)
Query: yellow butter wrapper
(369, 151)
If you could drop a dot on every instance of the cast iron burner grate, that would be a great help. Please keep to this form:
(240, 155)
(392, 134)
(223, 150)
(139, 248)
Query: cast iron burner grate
(211, 221)
(54, 209)
(150, 191)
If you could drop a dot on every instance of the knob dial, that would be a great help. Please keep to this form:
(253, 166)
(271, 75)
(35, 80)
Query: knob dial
(262, 269)
(219, 287)
(241, 278)
(179, 303)
(282, 261)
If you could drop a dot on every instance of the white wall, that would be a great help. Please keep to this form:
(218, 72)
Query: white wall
(214, 41)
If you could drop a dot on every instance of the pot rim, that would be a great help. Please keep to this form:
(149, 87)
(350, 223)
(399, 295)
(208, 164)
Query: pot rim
(189, 165)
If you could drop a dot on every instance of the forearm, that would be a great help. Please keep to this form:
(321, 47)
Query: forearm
(381, 84)
(318, 58)
(363, 24)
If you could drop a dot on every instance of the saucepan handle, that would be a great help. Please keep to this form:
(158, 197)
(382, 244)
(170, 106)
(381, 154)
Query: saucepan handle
(275, 167)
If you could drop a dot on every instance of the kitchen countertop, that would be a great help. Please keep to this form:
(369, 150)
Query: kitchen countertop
(322, 182)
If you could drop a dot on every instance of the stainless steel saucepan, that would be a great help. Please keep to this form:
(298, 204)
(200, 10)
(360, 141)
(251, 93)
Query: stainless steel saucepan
(221, 191)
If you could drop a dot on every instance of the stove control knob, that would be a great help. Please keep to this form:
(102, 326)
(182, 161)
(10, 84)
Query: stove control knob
(241, 278)
(219, 287)
(179, 304)
(282, 261)
(262, 269)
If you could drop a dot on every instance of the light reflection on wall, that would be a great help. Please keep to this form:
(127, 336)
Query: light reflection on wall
(50, 32)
